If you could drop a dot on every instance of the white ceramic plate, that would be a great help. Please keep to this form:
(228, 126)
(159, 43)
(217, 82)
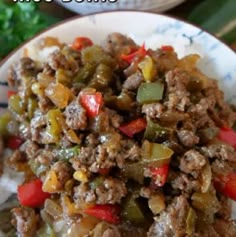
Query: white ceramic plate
(85, 7)
(218, 60)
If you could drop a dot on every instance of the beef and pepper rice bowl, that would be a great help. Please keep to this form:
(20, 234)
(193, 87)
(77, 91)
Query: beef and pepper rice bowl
(117, 140)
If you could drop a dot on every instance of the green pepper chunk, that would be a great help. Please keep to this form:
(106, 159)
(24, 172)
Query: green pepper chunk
(96, 182)
(190, 221)
(155, 132)
(102, 77)
(150, 92)
(54, 127)
(84, 73)
(31, 107)
(68, 153)
(45, 231)
(4, 120)
(131, 210)
(134, 171)
(96, 55)
(155, 153)
(16, 104)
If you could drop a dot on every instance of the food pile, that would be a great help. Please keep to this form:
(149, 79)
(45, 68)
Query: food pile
(119, 140)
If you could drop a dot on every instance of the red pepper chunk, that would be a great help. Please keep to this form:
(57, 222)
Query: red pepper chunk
(167, 48)
(227, 185)
(107, 212)
(228, 135)
(141, 52)
(14, 142)
(133, 127)
(31, 194)
(10, 93)
(92, 103)
(160, 174)
(81, 43)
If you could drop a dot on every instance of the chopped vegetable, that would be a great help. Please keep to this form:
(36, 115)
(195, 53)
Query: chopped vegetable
(228, 135)
(190, 221)
(16, 104)
(10, 93)
(51, 182)
(31, 194)
(80, 176)
(167, 48)
(160, 174)
(140, 53)
(54, 129)
(148, 68)
(45, 231)
(4, 120)
(155, 132)
(107, 212)
(68, 153)
(14, 142)
(84, 73)
(133, 127)
(154, 153)
(227, 185)
(92, 102)
(157, 203)
(150, 92)
(81, 43)
(131, 210)
(58, 94)
(31, 107)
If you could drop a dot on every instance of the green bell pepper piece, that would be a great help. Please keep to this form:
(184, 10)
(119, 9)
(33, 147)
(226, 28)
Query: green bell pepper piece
(150, 92)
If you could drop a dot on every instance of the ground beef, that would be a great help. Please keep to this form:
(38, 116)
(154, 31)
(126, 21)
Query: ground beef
(186, 184)
(208, 231)
(117, 44)
(172, 221)
(24, 68)
(45, 156)
(16, 158)
(225, 228)
(177, 94)
(133, 81)
(25, 220)
(220, 151)
(75, 116)
(153, 110)
(31, 149)
(1, 145)
(63, 172)
(84, 194)
(192, 162)
(37, 126)
(187, 138)
(111, 191)
(107, 191)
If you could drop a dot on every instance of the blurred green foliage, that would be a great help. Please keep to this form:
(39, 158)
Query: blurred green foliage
(19, 22)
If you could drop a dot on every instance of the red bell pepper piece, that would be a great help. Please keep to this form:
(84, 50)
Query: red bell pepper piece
(10, 93)
(107, 212)
(14, 142)
(81, 43)
(92, 103)
(227, 185)
(133, 127)
(141, 52)
(160, 174)
(167, 48)
(31, 194)
(104, 171)
(228, 135)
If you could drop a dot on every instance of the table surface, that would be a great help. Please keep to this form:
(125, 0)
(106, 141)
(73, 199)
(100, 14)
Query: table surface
(182, 11)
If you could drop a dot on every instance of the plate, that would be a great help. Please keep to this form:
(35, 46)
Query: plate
(218, 60)
(86, 7)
